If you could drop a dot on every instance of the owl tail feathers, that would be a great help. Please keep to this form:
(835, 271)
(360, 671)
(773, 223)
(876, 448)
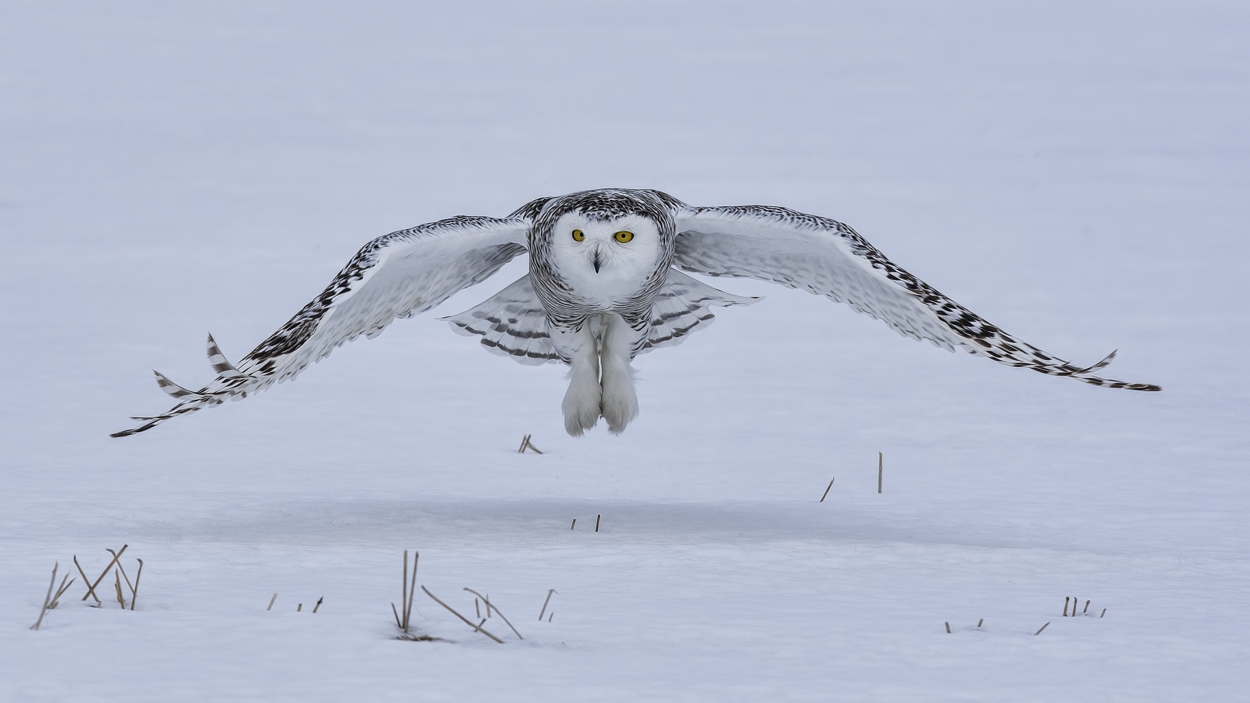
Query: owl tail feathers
(511, 323)
(683, 306)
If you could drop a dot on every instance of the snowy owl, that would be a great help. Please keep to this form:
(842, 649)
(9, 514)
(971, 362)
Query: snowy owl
(603, 286)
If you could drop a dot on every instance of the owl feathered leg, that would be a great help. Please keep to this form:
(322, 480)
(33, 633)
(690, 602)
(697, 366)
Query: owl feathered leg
(620, 401)
(601, 381)
(584, 397)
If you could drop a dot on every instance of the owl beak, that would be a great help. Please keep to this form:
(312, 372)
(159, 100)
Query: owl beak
(598, 260)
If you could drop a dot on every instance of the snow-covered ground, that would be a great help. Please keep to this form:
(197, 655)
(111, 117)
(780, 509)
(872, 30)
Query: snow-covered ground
(1075, 172)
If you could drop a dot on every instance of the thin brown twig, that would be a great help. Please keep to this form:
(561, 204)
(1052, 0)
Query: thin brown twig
(47, 597)
(404, 626)
(491, 606)
(318, 605)
(272, 601)
(60, 591)
(396, 612)
(1039, 631)
(134, 595)
(87, 581)
(91, 588)
(121, 600)
(466, 621)
(827, 488)
(544, 610)
(123, 570)
(412, 590)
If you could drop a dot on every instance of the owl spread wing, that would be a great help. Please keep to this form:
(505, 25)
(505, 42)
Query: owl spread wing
(828, 258)
(394, 276)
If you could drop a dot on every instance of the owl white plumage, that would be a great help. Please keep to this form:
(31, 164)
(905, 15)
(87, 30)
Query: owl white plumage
(604, 286)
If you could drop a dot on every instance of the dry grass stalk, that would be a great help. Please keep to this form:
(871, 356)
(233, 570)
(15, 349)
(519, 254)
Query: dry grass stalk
(549, 617)
(476, 628)
(1065, 606)
(60, 591)
(948, 628)
(880, 469)
(826, 495)
(527, 444)
(491, 606)
(574, 525)
(409, 590)
(272, 601)
(91, 588)
(597, 519)
(1104, 612)
(980, 622)
(544, 610)
(118, 583)
(318, 605)
(134, 595)
(1039, 631)
(1086, 610)
(477, 609)
(47, 598)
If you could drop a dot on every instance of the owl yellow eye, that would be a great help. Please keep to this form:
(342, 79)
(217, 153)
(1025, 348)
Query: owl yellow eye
(578, 235)
(624, 237)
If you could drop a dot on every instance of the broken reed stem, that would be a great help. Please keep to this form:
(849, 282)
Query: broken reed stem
(524, 441)
(1086, 610)
(880, 469)
(1065, 606)
(491, 606)
(412, 590)
(118, 584)
(299, 608)
(87, 581)
(272, 601)
(979, 622)
(318, 605)
(476, 628)
(1039, 631)
(597, 519)
(60, 591)
(544, 610)
(477, 610)
(404, 601)
(822, 498)
(47, 598)
(1104, 612)
(948, 628)
(396, 612)
(119, 568)
(549, 617)
(91, 588)
(574, 525)
(134, 594)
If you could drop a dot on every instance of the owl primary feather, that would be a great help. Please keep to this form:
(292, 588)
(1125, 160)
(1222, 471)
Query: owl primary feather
(605, 284)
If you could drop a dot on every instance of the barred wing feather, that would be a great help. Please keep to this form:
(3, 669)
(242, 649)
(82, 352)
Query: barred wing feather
(394, 276)
(829, 258)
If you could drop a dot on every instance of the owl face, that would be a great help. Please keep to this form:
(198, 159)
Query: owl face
(609, 257)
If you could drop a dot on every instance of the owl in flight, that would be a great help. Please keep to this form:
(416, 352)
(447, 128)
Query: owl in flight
(605, 284)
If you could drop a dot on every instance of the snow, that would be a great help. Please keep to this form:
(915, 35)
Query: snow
(1073, 172)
